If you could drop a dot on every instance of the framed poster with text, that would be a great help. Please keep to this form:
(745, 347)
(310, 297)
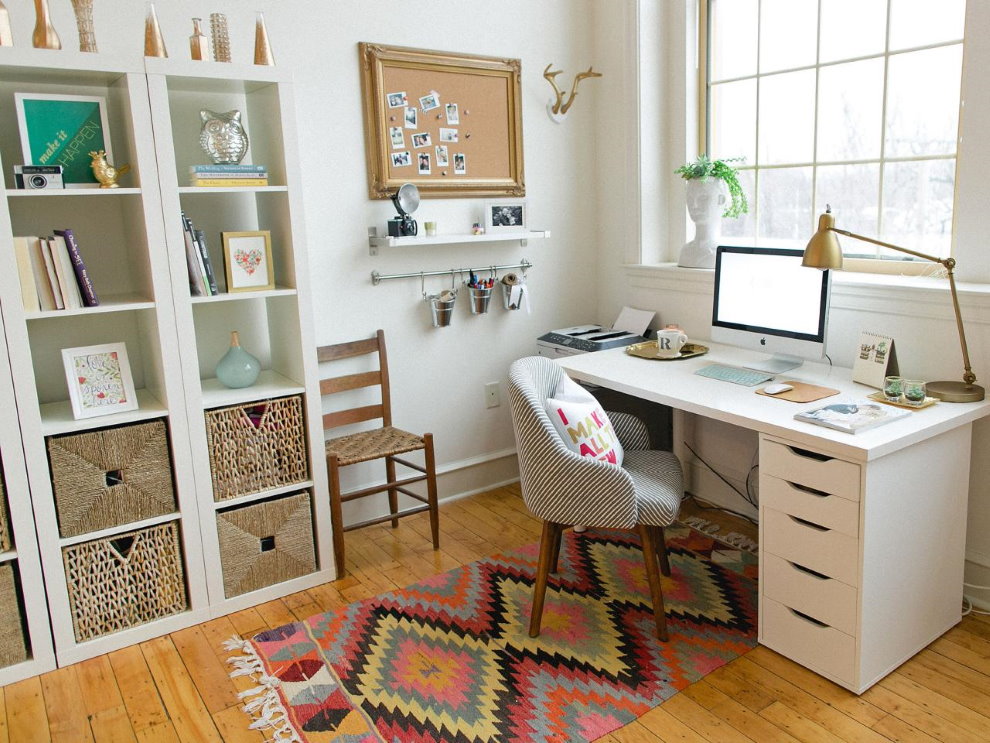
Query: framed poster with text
(63, 130)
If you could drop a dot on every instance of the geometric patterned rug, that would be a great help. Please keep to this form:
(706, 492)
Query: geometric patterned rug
(450, 658)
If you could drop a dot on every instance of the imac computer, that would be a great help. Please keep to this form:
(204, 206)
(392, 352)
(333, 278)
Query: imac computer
(766, 300)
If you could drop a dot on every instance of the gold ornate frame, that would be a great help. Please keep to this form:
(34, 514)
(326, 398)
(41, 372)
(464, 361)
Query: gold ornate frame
(501, 153)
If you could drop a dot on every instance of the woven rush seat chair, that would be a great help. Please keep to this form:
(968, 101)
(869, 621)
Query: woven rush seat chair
(564, 488)
(384, 442)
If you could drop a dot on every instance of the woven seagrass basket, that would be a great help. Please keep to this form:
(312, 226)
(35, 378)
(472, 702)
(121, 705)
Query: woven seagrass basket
(125, 580)
(13, 649)
(256, 446)
(266, 543)
(6, 542)
(111, 477)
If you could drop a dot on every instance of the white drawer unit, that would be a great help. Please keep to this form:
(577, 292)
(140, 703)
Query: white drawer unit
(810, 469)
(849, 582)
(828, 600)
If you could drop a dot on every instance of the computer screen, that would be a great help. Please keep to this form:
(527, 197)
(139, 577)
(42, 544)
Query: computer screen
(766, 300)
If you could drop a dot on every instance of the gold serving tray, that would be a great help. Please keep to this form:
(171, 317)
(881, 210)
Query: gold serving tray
(648, 350)
(878, 396)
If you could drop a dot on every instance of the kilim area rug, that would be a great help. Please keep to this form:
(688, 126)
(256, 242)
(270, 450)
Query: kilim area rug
(450, 658)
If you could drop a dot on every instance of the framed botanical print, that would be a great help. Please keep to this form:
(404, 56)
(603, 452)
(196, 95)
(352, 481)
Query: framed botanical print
(99, 380)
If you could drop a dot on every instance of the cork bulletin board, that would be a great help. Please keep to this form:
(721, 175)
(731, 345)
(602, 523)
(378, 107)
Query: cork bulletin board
(449, 123)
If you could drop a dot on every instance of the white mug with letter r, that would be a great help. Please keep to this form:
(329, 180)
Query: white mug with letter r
(670, 340)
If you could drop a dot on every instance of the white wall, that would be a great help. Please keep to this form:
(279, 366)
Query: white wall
(437, 374)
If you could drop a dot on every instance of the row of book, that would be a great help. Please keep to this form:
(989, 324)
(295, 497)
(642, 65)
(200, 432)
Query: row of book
(221, 174)
(202, 279)
(52, 273)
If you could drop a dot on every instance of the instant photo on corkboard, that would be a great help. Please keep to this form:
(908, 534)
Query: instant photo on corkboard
(449, 123)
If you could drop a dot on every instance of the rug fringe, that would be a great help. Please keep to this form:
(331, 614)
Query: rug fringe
(262, 703)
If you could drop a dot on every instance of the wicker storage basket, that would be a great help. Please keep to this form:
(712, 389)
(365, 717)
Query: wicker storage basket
(6, 542)
(256, 446)
(125, 580)
(13, 649)
(111, 477)
(266, 543)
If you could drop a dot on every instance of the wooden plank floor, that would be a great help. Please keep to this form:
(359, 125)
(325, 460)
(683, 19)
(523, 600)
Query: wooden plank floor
(176, 688)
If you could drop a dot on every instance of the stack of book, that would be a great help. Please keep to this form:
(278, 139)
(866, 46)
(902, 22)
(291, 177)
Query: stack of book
(52, 273)
(228, 175)
(202, 280)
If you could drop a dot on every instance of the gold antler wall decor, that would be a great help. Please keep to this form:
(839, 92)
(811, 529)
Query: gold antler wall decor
(558, 108)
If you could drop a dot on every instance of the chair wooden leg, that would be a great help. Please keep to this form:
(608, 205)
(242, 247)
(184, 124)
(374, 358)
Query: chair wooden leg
(653, 576)
(551, 533)
(393, 494)
(431, 489)
(661, 544)
(336, 514)
(555, 555)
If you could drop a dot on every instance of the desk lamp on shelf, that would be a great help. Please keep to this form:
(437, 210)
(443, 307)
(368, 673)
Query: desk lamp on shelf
(824, 251)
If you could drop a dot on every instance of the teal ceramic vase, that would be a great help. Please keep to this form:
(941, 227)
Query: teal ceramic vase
(237, 368)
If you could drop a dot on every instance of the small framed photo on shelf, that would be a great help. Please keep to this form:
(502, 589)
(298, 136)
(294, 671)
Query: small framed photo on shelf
(99, 380)
(247, 261)
(505, 215)
(63, 130)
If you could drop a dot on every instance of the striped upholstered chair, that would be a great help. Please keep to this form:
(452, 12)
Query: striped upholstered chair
(563, 488)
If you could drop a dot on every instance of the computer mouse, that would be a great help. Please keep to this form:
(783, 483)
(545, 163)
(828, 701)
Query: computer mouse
(776, 389)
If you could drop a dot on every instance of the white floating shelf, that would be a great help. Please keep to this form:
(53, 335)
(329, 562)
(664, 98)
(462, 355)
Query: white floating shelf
(451, 239)
(56, 417)
(269, 384)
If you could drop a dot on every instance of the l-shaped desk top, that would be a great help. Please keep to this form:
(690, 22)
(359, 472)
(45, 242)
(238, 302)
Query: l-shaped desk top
(674, 383)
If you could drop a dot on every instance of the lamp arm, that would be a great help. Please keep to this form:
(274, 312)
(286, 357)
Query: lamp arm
(949, 263)
(943, 261)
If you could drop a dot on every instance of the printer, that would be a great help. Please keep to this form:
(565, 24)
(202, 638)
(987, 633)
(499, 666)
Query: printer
(630, 327)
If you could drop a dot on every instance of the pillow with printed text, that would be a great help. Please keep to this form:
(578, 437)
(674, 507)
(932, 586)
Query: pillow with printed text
(582, 423)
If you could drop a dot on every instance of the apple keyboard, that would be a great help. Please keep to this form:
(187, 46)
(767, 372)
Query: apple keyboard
(746, 377)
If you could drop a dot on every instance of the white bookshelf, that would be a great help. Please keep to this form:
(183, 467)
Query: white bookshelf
(131, 240)
(274, 325)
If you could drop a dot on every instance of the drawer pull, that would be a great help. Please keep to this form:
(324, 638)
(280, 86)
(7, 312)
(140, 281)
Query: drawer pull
(810, 454)
(809, 491)
(809, 571)
(805, 522)
(805, 617)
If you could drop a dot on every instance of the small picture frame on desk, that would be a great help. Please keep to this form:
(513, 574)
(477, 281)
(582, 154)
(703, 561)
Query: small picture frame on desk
(505, 215)
(99, 380)
(247, 261)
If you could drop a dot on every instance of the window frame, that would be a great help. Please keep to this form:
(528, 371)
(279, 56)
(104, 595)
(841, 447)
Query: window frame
(906, 266)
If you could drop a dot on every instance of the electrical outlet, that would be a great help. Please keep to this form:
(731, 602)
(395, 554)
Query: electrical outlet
(492, 395)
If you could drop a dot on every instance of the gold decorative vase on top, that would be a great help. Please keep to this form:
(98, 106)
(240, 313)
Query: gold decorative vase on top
(84, 22)
(45, 36)
(154, 43)
(262, 48)
(199, 47)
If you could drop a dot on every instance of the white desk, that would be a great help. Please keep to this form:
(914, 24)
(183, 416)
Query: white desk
(862, 536)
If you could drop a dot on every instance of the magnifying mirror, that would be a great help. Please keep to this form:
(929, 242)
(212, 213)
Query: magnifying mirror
(406, 201)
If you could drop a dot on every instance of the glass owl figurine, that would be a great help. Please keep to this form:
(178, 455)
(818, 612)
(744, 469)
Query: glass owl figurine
(222, 137)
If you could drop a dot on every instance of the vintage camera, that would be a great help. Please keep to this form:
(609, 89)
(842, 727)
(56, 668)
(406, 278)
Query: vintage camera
(38, 176)
(404, 226)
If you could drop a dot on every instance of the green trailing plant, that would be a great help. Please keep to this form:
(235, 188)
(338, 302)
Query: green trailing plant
(703, 168)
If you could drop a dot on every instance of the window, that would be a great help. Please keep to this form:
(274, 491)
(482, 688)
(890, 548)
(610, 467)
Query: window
(853, 103)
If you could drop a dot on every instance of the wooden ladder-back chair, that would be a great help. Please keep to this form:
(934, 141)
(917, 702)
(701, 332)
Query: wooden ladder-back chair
(383, 442)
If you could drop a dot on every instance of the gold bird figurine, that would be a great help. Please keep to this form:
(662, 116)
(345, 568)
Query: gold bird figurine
(106, 173)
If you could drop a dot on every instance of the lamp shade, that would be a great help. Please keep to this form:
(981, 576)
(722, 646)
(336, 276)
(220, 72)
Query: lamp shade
(823, 250)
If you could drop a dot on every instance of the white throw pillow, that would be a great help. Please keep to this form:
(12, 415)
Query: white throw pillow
(582, 423)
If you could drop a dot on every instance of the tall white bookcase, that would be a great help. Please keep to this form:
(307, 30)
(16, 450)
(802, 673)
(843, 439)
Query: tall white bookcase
(131, 239)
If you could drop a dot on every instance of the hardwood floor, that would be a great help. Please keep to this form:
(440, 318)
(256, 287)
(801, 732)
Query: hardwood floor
(176, 688)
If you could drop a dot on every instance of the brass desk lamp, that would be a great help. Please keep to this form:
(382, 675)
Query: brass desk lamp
(824, 251)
